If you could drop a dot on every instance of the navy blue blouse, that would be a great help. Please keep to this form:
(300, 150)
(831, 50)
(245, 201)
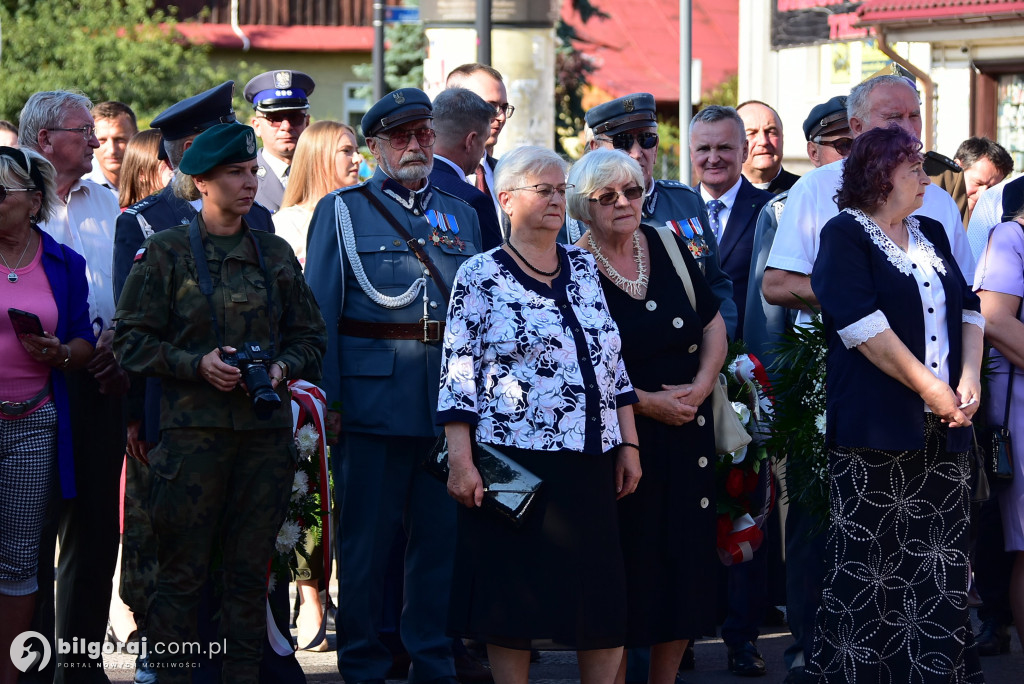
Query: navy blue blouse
(854, 278)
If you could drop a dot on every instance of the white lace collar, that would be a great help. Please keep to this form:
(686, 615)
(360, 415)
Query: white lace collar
(896, 256)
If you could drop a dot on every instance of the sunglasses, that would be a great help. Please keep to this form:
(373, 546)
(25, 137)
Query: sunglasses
(840, 145)
(294, 118)
(4, 191)
(399, 140)
(546, 190)
(610, 198)
(624, 141)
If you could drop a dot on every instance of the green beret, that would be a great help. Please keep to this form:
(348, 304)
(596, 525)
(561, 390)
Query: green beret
(227, 143)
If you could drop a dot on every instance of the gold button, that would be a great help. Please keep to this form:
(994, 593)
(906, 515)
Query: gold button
(397, 243)
(702, 462)
(700, 421)
(692, 348)
(704, 503)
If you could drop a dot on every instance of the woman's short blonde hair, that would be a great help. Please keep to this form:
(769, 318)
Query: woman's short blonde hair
(515, 168)
(598, 169)
(39, 175)
(313, 172)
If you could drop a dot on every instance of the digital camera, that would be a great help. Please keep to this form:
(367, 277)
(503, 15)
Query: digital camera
(254, 362)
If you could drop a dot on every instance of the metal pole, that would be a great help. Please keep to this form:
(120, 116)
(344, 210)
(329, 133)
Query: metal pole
(483, 31)
(379, 86)
(685, 88)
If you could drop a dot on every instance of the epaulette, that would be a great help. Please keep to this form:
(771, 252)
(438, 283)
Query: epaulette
(449, 194)
(142, 204)
(350, 187)
(668, 183)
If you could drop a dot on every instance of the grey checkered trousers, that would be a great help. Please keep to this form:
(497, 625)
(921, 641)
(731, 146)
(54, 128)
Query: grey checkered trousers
(28, 459)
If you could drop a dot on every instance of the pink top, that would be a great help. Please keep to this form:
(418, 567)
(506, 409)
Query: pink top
(23, 376)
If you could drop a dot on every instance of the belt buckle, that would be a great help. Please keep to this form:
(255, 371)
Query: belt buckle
(431, 331)
(13, 408)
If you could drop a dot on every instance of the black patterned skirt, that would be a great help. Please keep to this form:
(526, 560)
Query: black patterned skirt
(894, 605)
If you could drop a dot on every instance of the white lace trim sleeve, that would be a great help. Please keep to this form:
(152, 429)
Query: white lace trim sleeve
(863, 330)
(974, 318)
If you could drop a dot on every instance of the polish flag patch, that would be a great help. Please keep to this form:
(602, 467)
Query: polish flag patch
(138, 255)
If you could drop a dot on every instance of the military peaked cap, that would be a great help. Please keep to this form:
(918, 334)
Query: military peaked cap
(394, 109)
(274, 91)
(622, 114)
(197, 113)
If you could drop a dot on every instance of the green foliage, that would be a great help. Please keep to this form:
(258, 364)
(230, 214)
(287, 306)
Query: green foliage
(108, 49)
(571, 71)
(403, 59)
(725, 94)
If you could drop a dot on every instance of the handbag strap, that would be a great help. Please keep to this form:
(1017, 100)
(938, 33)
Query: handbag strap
(668, 238)
(414, 244)
(1009, 383)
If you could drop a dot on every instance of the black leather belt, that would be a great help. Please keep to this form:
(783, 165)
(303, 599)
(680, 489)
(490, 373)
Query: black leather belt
(426, 331)
(20, 408)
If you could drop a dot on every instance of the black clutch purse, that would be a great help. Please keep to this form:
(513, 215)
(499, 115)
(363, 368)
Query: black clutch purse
(509, 488)
(997, 454)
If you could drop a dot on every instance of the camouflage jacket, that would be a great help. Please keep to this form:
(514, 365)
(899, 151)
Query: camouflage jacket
(164, 325)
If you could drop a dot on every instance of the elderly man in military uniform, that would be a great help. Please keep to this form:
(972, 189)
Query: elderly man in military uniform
(382, 259)
(179, 124)
(280, 99)
(630, 124)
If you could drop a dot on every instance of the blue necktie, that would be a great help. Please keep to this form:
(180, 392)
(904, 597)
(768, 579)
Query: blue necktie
(715, 206)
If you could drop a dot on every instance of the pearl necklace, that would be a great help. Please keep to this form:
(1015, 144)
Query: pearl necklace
(634, 288)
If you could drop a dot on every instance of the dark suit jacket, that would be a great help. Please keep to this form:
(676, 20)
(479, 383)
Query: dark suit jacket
(737, 244)
(449, 180)
(784, 181)
(270, 191)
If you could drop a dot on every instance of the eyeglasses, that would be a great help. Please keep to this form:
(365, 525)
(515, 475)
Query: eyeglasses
(610, 198)
(505, 109)
(85, 131)
(294, 117)
(840, 145)
(399, 140)
(4, 191)
(546, 190)
(624, 141)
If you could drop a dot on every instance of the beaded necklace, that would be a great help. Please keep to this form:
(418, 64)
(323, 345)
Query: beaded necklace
(634, 288)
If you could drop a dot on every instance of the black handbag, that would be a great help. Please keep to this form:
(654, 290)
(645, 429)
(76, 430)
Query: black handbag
(509, 488)
(996, 446)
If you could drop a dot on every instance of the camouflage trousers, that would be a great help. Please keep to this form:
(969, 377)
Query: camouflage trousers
(215, 492)
(138, 545)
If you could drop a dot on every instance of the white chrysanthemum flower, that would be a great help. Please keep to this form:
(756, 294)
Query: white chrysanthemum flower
(742, 411)
(288, 537)
(300, 485)
(819, 423)
(307, 439)
(739, 455)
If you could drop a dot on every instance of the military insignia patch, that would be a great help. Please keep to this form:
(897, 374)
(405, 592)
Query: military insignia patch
(250, 142)
(399, 98)
(282, 79)
(628, 105)
(138, 255)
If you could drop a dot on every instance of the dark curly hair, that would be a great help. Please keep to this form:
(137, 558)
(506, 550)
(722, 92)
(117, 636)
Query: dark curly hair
(867, 173)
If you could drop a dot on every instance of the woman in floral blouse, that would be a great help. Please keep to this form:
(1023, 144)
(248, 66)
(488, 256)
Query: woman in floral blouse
(532, 365)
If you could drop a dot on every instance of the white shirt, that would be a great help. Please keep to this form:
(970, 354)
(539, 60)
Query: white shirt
(728, 199)
(277, 166)
(292, 223)
(987, 214)
(86, 225)
(811, 205)
(455, 166)
(489, 181)
(97, 177)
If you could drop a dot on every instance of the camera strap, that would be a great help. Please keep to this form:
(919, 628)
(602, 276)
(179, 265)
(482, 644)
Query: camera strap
(196, 243)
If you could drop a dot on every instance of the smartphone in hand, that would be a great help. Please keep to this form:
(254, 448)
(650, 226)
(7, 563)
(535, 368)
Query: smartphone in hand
(25, 322)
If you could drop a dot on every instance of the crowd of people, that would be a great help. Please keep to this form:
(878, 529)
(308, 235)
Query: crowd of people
(535, 321)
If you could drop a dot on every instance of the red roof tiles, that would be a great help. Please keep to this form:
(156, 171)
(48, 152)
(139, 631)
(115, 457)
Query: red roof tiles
(283, 38)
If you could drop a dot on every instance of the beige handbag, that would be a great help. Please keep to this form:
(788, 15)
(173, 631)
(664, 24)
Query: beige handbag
(730, 435)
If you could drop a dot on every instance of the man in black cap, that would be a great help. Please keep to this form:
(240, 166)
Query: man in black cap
(280, 99)
(828, 140)
(630, 124)
(381, 261)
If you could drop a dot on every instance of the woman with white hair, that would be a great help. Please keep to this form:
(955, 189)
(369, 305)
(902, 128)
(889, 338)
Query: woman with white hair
(52, 335)
(531, 366)
(674, 352)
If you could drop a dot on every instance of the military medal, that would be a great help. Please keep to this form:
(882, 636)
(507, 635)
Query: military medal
(446, 229)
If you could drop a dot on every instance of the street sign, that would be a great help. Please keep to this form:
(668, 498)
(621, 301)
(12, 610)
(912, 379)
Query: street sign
(401, 15)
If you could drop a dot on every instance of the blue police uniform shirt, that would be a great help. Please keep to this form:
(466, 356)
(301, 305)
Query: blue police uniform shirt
(385, 386)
